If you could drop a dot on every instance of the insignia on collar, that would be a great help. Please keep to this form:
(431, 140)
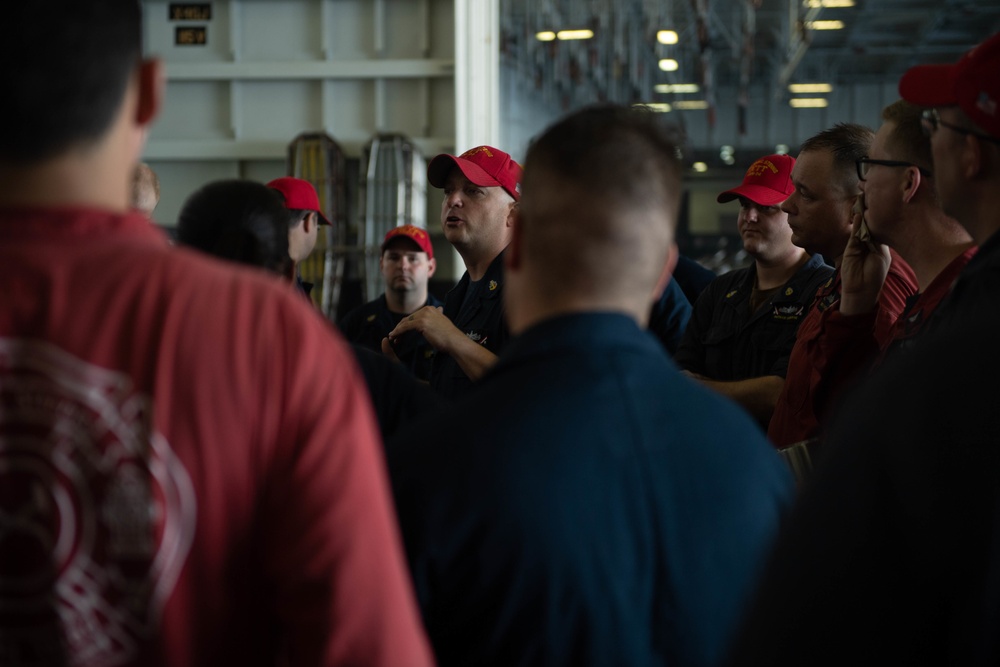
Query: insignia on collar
(493, 285)
(789, 291)
(790, 312)
(370, 318)
(728, 296)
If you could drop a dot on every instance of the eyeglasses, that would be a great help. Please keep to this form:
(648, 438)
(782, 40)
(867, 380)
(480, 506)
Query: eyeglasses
(864, 165)
(931, 119)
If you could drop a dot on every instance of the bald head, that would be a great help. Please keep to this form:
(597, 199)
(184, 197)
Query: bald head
(598, 208)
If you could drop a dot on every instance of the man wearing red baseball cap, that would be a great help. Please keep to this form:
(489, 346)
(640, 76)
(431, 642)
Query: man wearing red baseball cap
(407, 264)
(722, 345)
(301, 198)
(481, 189)
(963, 121)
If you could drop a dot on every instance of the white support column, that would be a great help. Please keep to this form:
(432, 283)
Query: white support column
(477, 73)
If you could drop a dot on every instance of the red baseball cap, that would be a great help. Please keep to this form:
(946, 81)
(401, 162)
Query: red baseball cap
(973, 84)
(299, 195)
(768, 181)
(483, 165)
(412, 233)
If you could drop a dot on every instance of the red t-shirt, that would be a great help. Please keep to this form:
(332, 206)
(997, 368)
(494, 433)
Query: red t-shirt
(190, 473)
(829, 354)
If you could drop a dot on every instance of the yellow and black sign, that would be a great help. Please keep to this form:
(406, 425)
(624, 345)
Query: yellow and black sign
(196, 35)
(190, 11)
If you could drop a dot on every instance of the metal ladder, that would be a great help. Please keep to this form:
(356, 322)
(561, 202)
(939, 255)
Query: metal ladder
(393, 192)
(318, 158)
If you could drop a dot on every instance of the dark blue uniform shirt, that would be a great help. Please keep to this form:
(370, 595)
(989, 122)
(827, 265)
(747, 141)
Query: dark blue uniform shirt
(725, 341)
(585, 504)
(479, 314)
(369, 323)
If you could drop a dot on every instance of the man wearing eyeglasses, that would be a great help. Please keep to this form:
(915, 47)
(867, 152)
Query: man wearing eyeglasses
(825, 357)
(963, 122)
(902, 211)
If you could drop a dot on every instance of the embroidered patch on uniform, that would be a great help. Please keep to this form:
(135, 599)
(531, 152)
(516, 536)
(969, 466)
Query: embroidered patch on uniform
(792, 311)
(493, 285)
(789, 291)
(730, 295)
(370, 318)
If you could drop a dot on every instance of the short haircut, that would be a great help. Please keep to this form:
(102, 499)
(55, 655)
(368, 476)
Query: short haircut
(907, 140)
(242, 221)
(601, 192)
(67, 64)
(848, 143)
(297, 215)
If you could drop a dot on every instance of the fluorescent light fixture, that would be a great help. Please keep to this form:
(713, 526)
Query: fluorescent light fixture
(676, 88)
(825, 25)
(575, 34)
(700, 167)
(810, 88)
(781, 149)
(828, 4)
(669, 65)
(666, 37)
(691, 104)
(808, 102)
(545, 36)
(659, 107)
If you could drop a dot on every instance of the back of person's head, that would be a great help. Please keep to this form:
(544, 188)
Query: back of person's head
(242, 221)
(907, 141)
(66, 67)
(847, 143)
(600, 197)
(145, 188)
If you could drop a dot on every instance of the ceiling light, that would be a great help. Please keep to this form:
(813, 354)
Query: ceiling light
(828, 3)
(808, 102)
(825, 25)
(700, 167)
(666, 37)
(669, 65)
(575, 34)
(810, 88)
(691, 104)
(781, 149)
(676, 88)
(659, 107)
(545, 36)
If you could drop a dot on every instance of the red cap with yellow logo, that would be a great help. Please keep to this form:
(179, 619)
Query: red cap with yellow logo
(412, 233)
(483, 165)
(768, 181)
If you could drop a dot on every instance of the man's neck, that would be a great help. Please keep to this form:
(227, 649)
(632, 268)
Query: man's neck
(67, 181)
(405, 302)
(775, 274)
(930, 245)
(477, 265)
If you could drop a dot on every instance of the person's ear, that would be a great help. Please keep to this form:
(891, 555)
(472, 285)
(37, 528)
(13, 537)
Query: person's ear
(972, 156)
(431, 267)
(512, 214)
(912, 183)
(311, 220)
(152, 82)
